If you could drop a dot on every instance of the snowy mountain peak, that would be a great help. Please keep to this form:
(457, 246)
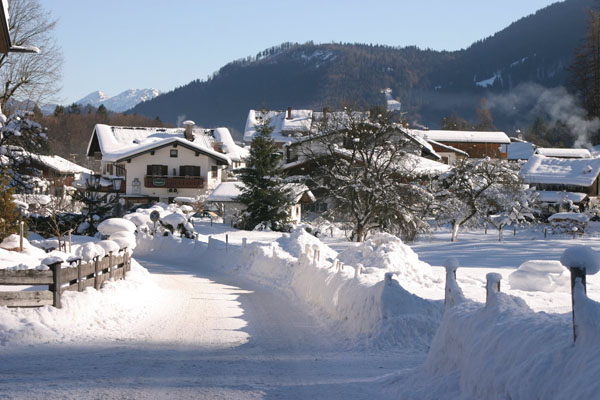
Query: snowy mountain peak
(121, 102)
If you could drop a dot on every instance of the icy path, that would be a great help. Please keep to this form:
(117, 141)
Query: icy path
(214, 336)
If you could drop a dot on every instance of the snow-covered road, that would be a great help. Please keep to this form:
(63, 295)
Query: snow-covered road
(213, 335)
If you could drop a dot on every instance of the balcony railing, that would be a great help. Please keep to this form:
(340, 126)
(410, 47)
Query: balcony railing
(180, 182)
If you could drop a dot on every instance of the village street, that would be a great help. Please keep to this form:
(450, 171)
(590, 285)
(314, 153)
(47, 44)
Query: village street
(212, 336)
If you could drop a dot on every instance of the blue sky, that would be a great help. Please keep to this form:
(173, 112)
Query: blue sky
(113, 45)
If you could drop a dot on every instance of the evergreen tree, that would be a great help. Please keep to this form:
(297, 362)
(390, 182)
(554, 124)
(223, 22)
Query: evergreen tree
(9, 215)
(102, 111)
(585, 68)
(97, 206)
(456, 123)
(267, 200)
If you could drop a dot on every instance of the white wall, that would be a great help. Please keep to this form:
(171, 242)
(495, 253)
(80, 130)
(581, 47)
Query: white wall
(137, 169)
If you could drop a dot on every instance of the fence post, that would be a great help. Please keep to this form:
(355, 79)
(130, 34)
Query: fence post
(545, 232)
(70, 230)
(576, 274)
(358, 270)
(56, 286)
(79, 277)
(96, 270)
(244, 243)
(110, 265)
(515, 231)
(21, 224)
(124, 262)
(226, 242)
(492, 286)
(451, 266)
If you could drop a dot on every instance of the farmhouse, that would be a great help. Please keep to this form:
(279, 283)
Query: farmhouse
(159, 164)
(454, 144)
(560, 179)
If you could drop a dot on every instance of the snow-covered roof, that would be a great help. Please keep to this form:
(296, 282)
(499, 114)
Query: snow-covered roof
(569, 216)
(118, 142)
(566, 153)
(284, 130)
(550, 196)
(464, 136)
(62, 165)
(567, 171)
(520, 150)
(235, 152)
(447, 147)
(226, 192)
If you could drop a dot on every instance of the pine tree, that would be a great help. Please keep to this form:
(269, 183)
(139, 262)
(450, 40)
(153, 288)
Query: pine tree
(9, 214)
(586, 66)
(267, 200)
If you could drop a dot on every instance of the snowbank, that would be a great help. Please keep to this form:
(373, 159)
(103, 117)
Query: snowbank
(504, 350)
(369, 305)
(540, 275)
(89, 315)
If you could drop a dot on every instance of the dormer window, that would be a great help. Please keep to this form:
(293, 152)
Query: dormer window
(173, 153)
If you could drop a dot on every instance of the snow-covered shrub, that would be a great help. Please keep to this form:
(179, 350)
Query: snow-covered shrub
(540, 275)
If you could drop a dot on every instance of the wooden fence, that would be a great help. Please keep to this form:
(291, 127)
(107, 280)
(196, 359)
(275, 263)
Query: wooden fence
(60, 279)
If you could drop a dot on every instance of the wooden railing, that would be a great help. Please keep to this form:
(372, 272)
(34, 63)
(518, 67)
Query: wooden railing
(60, 279)
(182, 182)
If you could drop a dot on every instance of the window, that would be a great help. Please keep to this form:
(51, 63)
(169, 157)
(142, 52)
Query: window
(173, 153)
(189, 170)
(152, 153)
(214, 171)
(156, 170)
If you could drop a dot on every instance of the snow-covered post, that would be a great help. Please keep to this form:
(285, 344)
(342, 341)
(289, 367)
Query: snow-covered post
(307, 250)
(70, 230)
(515, 230)
(453, 294)
(96, 273)
(359, 270)
(492, 286)
(317, 253)
(580, 260)
(226, 242)
(210, 242)
(545, 232)
(244, 243)
(388, 277)
(21, 224)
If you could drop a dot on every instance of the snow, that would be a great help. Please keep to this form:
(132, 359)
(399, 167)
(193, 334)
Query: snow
(62, 165)
(114, 225)
(121, 102)
(120, 142)
(109, 246)
(174, 219)
(235, 152)
(581, 257)
(292, 316)
(570, 216)
(549, 196)
(540, 275)
(464, 136)
(139, 219)
(89, 251)
(13, 242)
(488, 82)
(566, 153)
(546, 170)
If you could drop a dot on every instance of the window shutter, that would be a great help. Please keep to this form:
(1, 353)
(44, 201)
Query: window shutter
(164, 170)
(196, 170)
(149, 170)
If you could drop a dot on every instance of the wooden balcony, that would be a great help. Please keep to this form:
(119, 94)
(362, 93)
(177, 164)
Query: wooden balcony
(179, 182)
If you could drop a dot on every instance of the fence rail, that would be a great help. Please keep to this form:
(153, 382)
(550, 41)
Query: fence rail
(60, 279)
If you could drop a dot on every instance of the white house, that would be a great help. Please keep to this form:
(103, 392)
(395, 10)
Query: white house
(224, 197)
(159, 164)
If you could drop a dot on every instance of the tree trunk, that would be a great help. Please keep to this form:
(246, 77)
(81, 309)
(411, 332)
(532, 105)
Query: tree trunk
(455, 228)
(361, 232)
(500, 234)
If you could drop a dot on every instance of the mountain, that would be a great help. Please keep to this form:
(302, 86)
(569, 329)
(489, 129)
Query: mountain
(121, 102)
(532, 53)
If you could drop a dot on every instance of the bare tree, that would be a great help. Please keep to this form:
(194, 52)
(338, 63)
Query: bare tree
(362, 162)
(30, 77)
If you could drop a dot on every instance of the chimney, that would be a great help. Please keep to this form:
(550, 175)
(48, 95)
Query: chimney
(189, 126)
(289, 113)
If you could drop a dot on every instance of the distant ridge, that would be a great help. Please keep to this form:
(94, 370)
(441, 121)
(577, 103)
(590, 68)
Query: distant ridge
(430, 84)
(121, 102)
